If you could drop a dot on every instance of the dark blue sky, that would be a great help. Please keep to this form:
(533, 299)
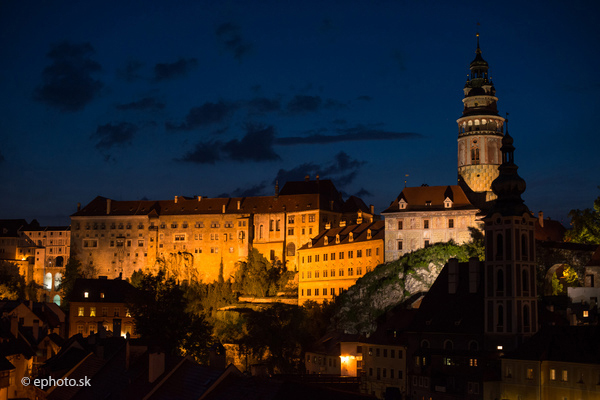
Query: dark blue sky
(152, 99)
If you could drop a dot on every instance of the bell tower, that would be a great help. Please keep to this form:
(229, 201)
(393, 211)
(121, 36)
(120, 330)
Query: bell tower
(479, 132)
(510, 263)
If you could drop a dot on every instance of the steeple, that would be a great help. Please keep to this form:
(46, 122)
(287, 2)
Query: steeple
(479, 132)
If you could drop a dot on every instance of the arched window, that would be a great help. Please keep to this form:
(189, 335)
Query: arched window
(48, 281)
(524, 251)
(525, 280)
(473, 345)
(59, 261)
(448, 345)
(260, 232)
(425, 344)
(291, 249)
(500, 318)
(56, 300)
(526, 324)
(57, 280)
(499, 246)
(500, 281)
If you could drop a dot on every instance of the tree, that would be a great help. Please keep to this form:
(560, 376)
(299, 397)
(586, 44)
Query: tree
(161, 316)
(585, 225)
(258, 276)
(73, 271)
(12, 283)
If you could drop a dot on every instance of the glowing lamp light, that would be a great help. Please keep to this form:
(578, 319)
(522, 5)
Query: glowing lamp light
(499, 347)
(345, 359)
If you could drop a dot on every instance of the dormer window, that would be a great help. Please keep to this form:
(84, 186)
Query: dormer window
(368, 234)
(448, 203)
(337, 238)
(86, 294)
(351, 236)
(402, 204)
(428, 203)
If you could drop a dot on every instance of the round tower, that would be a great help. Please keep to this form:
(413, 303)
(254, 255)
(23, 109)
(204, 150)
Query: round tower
(479, 131)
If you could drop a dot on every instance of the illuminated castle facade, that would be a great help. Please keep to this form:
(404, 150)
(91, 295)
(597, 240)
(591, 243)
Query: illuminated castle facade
(193, 238)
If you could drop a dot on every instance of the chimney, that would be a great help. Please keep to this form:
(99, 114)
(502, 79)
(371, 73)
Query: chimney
(239, 204)
(452, 275)
(307, 178)
(108, 201)
(156, 365)
(372, 207)
(276, 188)
(36, 329)
(223, 208)
(78, 206)
(541, 218)
(473, 274)
(176, 198)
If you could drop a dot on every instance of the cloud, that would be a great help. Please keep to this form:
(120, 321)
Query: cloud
(363, 192)
(131, 71)
(207, 114)
(302, 104)
(342, 170)
(263, 105)
(257, 190)
(181, 67)
(110, 135)
(67, 83)
(229, 35)
(204, 153)
(357, 133)
(147, 103)
(256, 145)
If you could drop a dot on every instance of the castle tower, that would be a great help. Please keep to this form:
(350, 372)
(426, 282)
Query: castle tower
(510, 287)
(479, 131)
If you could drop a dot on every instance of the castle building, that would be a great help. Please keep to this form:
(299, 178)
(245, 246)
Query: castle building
(336, 258)
(193, 237)
(41, 252)
(424, 215)
(479, 132)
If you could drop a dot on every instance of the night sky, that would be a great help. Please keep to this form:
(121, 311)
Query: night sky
(152, 99)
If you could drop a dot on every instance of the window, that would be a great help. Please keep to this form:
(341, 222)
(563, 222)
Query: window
(317, 258)
(92, 311)
(350, 253)
(308, 292)
(399, 244)
(86, 294)
(426, 224)
(358, 253)
(377, 352)
(333, 258)
(350, 272)
(451, 223)
(359, 271)
(341, 255)
(332, 291)
(316, 292)
(309, 259)
(426, 243)
(333, 273)
(392, 353)
(368, 252)
(325, 257)
(472, 362)
(530, 373)
(565, 375)
(290, 231)
(104, 311)
(117, 312)
(80, 311)
(400, 225)
(552, 374)
(80, 328)
(311, 218)
(291, 219)
(341, 272)
(180, 237)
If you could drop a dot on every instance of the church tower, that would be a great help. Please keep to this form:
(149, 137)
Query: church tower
(479, 132)
(510, 273)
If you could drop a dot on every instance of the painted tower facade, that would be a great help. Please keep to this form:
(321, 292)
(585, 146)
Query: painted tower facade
(510, 289)
(479, 131)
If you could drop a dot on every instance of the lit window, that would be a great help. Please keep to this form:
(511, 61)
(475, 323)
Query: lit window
(552, 374)
(529, 373)
(80, 311)
(426, 224)
(92, 311)
(86, 294)
(585, 314)
(565, 375)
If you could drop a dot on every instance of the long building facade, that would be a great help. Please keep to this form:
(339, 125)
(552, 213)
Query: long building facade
(192, 238)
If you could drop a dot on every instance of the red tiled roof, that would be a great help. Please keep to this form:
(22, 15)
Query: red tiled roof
(359, 233)
(423, 198)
